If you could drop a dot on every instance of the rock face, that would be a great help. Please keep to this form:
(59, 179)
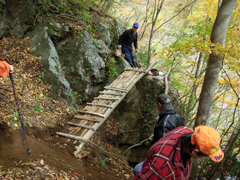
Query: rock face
(84, 63)
(137, 114)
(13, 21)
(44, 48)
(136, 110)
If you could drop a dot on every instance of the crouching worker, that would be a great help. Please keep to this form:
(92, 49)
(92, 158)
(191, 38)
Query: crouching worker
(5, 69)
(125, 42)
(171, 156)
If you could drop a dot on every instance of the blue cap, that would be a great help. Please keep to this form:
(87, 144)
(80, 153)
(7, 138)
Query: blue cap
(136, 25)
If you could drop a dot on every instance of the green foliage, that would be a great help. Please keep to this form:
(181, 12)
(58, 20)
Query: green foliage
(111, 68)
(103, 163)
(95, 42)
(76, 97)
(143, 56)
(74, 13)
(38, 109)
(14, 117)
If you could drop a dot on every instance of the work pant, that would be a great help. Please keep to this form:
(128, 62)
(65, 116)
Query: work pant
(138, 168)
(127, 50)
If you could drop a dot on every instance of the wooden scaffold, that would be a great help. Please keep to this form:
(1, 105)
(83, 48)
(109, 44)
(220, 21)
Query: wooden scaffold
(94, 114)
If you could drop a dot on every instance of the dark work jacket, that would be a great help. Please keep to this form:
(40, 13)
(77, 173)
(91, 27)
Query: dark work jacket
(168, 120)
(127, 38)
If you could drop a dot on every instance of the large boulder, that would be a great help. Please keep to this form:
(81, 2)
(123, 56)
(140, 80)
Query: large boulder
(52, 70)
(84, 61)
(16, 18)
(80, 61)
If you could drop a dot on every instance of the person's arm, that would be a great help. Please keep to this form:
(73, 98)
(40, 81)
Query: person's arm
(11, 69)
(5, 68)
(120, 40)
(136, 44)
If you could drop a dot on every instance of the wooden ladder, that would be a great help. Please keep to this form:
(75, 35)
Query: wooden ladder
(88, 120)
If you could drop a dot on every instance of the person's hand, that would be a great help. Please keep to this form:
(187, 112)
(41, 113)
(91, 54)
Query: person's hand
(11, 69)
(136, 50)
(119, 46)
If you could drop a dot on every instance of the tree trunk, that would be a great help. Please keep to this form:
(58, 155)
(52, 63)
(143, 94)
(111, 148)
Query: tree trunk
(215, 62)
(155, 17)
(213, 68)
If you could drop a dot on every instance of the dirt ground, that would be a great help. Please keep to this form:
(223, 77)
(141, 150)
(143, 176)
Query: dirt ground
(50, 159)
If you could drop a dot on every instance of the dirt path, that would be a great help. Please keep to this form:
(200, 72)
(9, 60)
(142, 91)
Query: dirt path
(48, 158)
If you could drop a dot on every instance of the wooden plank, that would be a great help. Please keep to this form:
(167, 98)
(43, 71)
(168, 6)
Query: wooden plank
(87, 118)
(102, 105)
(83, 126)
(72, 136)
(134, 70)
(111, 93)
(92, 113)
(110, 99)
(115, 88)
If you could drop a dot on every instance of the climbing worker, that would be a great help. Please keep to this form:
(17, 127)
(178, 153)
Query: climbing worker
(171, 156)
(167, 120)
(125, 42)
(5, 68)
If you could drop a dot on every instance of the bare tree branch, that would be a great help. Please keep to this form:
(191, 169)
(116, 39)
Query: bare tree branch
(139, 127)
(168, 75)
(235, 105)
(174, 15)
(148, 139)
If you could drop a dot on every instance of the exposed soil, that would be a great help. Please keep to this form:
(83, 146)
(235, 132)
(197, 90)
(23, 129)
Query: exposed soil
(50, 158)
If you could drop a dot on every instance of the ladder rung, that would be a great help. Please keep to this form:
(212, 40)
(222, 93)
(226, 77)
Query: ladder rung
(84, 118)
(141, 71)
(115, 88)
(111, 99)
(80, 125)
(111, 93)
(102, 105)
(92, 113)
(72, 136)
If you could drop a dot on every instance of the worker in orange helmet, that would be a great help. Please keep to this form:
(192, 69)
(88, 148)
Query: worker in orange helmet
(171, 156)
(5, 68)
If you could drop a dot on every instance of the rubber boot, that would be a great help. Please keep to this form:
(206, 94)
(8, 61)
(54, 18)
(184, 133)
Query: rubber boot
(133, 63)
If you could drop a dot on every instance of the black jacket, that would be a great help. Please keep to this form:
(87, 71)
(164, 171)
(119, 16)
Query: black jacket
(128, 38)
(168, 120)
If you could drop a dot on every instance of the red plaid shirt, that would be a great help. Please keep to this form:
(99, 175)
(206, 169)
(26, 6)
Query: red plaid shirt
(164, 158)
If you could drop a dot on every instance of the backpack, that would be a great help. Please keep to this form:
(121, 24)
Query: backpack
(154, 72)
